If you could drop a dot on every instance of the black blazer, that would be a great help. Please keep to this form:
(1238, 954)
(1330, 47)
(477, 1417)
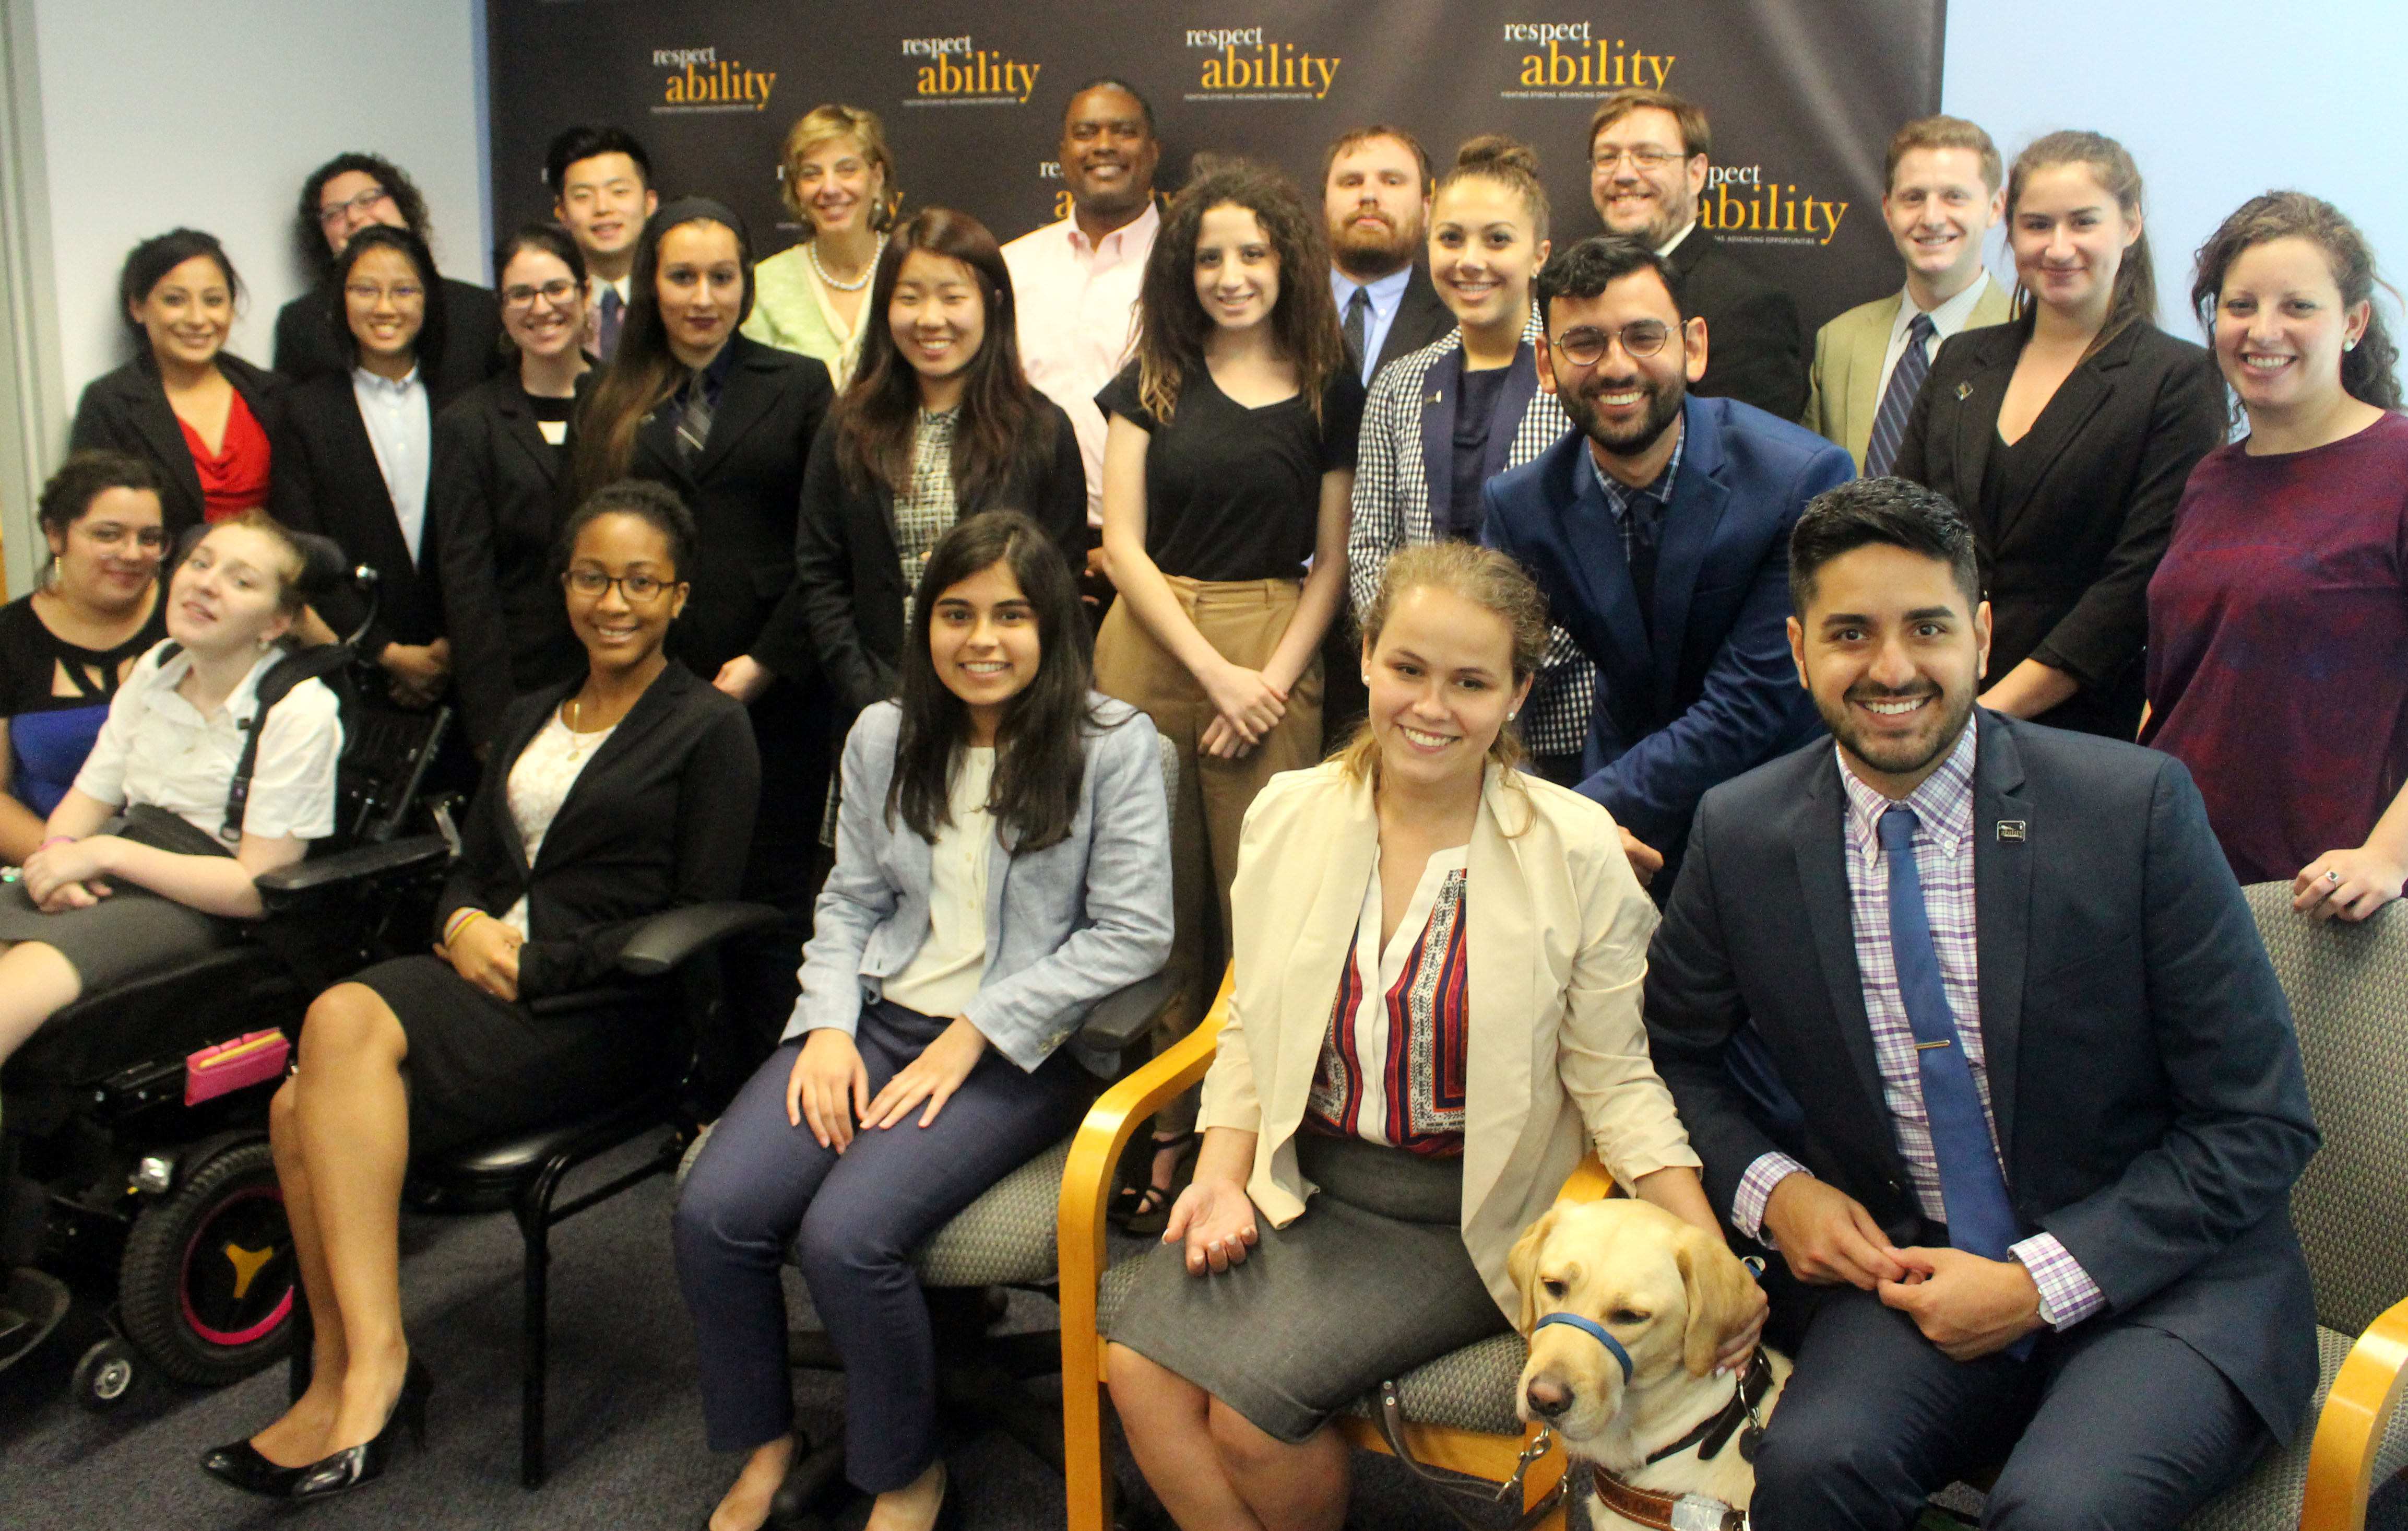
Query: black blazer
(499, 496)
(1422, 319)
(127, 410)
(744, 489)
(472, 337)
(328, 481)
(2144, 1079)
(848, 594)
(2067, 564)
(1755, 350)
(660, 817)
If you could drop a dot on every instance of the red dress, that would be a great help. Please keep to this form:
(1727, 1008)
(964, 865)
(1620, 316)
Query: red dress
(2278, 645)
(237, 478)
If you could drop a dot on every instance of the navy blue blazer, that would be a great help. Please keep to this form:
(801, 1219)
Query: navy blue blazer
(2145, 1076)
(1713, 691)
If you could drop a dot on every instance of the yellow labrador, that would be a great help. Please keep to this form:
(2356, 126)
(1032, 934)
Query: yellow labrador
(1654, 1416)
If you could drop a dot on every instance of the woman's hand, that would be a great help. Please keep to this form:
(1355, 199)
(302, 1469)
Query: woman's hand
(69, 874)
(1250, 707)
(827, 1087)
(486, 952)
(744, 677)
(417, 672)
(1645, 860)
(2347, 884)
(1216, 1217)
(932, 1077)
(1741, 1343)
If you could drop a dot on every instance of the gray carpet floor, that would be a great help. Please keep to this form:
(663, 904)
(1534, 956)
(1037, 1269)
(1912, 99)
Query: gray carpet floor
(625, 1436)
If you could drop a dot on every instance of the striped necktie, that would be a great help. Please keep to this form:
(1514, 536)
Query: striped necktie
(694, 423)
(1897, 402)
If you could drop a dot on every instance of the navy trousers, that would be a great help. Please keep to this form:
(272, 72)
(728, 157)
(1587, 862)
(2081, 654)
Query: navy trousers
(2112, 1425)
(853, 1220)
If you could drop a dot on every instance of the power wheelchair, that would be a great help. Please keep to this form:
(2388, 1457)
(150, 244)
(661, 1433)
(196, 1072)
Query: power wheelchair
(136, 1179)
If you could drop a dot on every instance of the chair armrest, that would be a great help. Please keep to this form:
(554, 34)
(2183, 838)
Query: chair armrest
(2349, 1431)
(1123, 1017)
(288, 885)
(1589, 1181)
(666, 941)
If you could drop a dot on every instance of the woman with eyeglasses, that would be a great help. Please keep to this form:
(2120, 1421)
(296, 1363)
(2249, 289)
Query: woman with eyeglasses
(360, 453)
(618, 795)
(501, 486)
(66, 647)
(204, 419)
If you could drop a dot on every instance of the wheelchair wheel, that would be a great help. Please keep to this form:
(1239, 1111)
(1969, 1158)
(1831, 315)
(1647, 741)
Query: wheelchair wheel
(208, 1283)
(103, 1378)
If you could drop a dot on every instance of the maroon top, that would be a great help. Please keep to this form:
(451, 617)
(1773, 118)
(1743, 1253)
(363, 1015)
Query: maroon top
(235, 480)
(2278, 645)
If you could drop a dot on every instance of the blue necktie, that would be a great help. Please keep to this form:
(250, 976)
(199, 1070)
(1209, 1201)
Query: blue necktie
(606, 340)
(1898, 401)
(1981, 1221)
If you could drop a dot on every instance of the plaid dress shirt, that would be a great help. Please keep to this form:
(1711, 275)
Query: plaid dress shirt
(1943, 858)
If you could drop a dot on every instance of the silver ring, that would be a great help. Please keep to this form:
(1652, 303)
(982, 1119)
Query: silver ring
(2333, 877)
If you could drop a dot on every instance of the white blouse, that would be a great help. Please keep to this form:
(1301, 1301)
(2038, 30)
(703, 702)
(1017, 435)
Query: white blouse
(156, 749)
(540, 780)
(943, 975)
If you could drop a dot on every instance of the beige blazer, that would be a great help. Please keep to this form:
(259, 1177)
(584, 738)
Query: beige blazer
(1843, 387)
(1556, 957)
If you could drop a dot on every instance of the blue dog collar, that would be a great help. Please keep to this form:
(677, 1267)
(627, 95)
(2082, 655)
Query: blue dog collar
(1593, 1330)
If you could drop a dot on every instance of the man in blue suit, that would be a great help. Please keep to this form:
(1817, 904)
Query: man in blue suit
(1659, 530)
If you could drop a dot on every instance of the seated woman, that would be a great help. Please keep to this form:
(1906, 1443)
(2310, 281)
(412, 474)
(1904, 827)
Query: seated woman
(66, 645)
(166, 879)
(1362, 1060)
(628, 792)
(998, 869)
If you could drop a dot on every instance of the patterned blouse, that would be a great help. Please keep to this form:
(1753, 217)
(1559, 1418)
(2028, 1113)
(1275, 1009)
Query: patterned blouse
(1392, 1065)
(925, 509)
(539, 783)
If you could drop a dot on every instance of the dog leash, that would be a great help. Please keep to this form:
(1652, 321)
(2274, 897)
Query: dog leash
(1447, 1487)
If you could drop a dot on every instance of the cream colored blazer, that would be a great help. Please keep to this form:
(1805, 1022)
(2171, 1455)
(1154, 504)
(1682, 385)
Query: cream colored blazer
(1843, 386)
(1556, 957)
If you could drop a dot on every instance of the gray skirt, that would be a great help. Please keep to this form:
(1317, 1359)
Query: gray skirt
(120, 938)
(1369, 1282)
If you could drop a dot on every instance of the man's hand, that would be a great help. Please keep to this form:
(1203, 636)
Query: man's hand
(1645, 860)
(1966, 1306)
(1828, 1237)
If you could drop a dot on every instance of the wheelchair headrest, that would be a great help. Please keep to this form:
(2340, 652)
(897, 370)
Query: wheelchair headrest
(324, 566)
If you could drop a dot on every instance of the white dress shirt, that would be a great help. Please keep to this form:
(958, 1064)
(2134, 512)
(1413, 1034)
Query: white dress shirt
(400, 422)
(943, 975)
(1078, 320)
(1946, 320)
(1387, 294)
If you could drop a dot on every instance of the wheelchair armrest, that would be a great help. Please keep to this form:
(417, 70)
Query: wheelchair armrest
(1123, 1017)
(666, 941)
(287, 886)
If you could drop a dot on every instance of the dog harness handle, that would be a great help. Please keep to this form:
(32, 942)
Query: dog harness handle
(1593, 1330)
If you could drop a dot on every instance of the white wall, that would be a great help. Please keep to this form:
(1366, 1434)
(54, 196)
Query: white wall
(161, 112)
(2217, 100)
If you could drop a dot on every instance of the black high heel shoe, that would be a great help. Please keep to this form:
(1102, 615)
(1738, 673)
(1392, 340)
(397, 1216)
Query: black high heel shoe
(355, 1467)
(240, 1463)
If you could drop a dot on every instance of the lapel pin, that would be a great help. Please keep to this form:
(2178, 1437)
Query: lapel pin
(1964, 392)
(2010, 829)
(1436, 396)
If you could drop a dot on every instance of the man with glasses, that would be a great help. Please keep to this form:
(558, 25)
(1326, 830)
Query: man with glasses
(1659, 530)
(341, 198)
(1647, 156)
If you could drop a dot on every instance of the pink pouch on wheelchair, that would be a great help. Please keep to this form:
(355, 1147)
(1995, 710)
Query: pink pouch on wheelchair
(234, 1065)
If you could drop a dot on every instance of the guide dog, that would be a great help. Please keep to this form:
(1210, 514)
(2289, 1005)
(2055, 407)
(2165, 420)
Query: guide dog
(1626, 1307)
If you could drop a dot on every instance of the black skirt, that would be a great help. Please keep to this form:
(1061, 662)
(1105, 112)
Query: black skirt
(481, 1066)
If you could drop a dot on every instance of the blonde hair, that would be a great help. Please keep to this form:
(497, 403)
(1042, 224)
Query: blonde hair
(1487, 578)
(824, 124)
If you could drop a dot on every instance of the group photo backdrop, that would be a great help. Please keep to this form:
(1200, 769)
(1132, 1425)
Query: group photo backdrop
(1802, 94)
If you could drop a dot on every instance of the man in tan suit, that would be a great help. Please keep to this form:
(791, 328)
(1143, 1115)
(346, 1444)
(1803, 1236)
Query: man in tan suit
(1943, 195)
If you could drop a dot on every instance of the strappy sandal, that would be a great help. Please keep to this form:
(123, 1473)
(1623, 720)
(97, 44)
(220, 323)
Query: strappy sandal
(1151, 1214)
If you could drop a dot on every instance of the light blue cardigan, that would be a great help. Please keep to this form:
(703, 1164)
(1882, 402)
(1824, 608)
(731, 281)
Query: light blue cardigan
(1065, 926)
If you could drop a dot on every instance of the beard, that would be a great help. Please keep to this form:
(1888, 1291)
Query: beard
(1907, 754)
(1372, 249)
(1663, 408)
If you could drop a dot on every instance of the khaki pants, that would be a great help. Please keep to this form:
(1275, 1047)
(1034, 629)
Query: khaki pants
(1243, 621)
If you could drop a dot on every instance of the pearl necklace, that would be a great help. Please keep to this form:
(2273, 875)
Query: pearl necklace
(811, 253)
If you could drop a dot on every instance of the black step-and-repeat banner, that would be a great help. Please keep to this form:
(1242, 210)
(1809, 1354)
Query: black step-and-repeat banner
(1804, 95)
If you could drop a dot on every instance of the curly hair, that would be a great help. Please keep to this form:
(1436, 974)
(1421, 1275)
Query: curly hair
(1172, 325)
(310, 235)
(2370, 373)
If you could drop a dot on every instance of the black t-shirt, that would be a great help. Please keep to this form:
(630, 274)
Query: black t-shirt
(1475, 411)
(1233, 492)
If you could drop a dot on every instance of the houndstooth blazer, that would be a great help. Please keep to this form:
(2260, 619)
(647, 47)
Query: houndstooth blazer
(1391, 510)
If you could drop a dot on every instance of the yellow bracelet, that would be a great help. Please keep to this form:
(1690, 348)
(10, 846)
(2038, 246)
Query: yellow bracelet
(461, 919)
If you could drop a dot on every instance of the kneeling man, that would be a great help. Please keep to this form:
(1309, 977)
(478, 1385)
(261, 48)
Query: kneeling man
(2042, 1110)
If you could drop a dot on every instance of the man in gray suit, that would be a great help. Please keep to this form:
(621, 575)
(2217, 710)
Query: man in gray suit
(2025, 1105)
